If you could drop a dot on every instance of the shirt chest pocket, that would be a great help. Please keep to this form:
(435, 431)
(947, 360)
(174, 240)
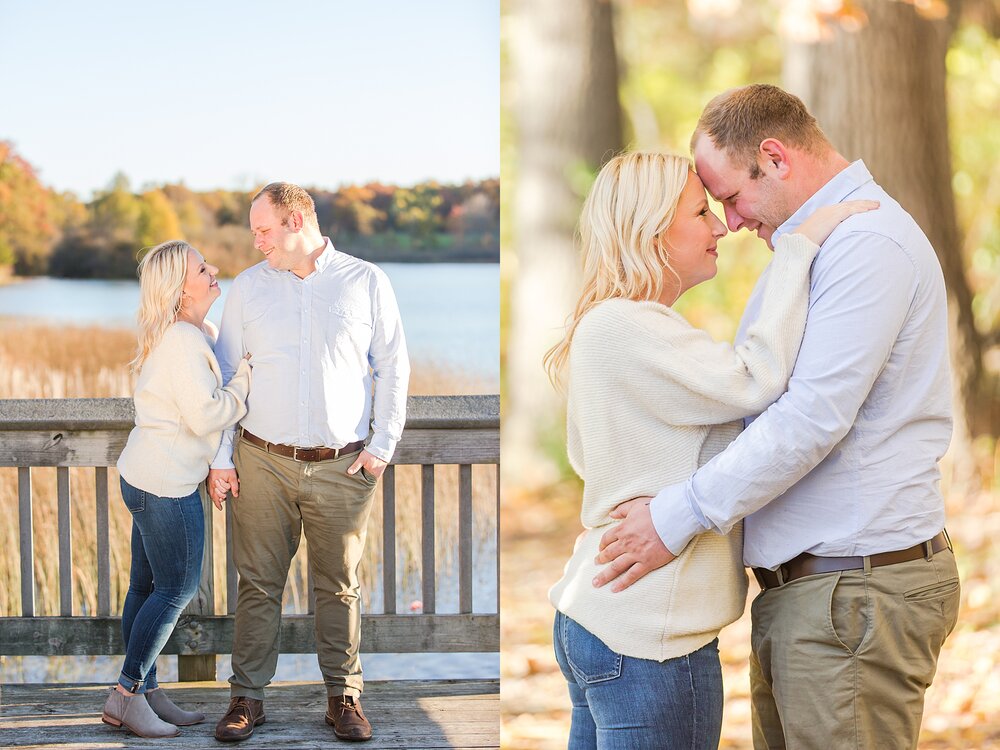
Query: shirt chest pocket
(348, 330)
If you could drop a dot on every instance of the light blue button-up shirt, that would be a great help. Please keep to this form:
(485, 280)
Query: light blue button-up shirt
(319, 347)
(846, 461)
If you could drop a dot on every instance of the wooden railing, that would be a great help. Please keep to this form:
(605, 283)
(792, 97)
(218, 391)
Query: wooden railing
(64, 433)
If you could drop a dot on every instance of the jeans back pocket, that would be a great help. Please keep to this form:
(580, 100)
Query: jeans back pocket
(588, 656)
(135, 499)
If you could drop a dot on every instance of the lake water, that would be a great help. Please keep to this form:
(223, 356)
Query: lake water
(450, 311)
(451, 315)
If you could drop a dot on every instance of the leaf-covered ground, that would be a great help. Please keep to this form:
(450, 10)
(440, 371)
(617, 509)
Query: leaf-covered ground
(538, 529)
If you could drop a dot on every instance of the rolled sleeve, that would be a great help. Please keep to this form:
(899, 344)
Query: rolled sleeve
(390, 371)
(229, 352)
(674, 518)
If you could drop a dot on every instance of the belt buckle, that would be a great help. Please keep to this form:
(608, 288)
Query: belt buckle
(295, 454)
(314, 451)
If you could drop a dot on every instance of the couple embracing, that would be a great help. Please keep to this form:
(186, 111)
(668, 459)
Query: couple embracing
(305, 336)
(808, 451)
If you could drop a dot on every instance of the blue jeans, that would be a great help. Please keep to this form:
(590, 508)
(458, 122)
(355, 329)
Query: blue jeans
(168, 540)
(623, 703)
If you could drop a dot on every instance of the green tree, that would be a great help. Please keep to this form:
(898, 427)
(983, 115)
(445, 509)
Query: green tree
(415, 213)
(116, 212)
(158, 221)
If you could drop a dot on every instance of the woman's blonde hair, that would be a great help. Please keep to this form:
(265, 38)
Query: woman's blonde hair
(162, 272)
(633, 201)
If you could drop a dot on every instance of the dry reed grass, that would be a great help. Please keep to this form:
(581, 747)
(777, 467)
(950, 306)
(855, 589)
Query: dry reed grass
(54, 362)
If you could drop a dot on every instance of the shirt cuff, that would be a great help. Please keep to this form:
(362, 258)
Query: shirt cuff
(224, 457)
(675, 523)
(381, 446)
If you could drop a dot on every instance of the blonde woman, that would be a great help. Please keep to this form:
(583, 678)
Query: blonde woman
(181, 408)
(650, 398)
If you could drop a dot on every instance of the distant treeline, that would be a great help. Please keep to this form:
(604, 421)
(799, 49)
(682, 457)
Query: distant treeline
(50, 233)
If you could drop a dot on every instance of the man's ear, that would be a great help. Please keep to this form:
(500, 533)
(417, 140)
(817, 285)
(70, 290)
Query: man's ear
(297, 221)
(775, 158)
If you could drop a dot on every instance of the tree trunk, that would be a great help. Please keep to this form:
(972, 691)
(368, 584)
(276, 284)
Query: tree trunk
(567, 123)
(879, 95)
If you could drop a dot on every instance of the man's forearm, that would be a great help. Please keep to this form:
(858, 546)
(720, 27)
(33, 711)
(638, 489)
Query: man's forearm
(224, 456)
(859, 305)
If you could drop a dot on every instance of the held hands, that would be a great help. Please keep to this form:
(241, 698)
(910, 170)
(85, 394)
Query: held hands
(632, 548)
(221, 481)
(372, 464)
(823, 221)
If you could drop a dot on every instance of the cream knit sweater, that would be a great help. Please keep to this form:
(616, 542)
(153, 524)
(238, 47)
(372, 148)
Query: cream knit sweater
(181, 409)
(651, 399)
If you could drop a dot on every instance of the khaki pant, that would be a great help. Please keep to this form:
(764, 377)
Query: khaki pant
(842, 660)
(279, 498)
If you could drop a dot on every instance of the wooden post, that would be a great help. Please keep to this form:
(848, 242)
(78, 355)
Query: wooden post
(197, 668)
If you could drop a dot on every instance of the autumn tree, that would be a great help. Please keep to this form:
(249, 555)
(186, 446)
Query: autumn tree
(873, 73)
(567, 122)
(28, 214)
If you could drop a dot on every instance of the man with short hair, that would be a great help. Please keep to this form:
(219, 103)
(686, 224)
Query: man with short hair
(324, 332)
(838, 480)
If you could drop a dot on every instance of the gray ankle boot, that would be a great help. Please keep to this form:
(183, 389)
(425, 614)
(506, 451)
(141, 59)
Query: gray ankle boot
(134, 713)
(167, 710)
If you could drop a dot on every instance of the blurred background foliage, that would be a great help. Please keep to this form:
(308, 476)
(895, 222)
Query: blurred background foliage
(911, 86)
(44, 232)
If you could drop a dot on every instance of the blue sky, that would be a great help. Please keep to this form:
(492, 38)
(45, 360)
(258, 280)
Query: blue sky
(231, 94)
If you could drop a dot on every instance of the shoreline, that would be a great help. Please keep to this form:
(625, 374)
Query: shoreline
(10, 279)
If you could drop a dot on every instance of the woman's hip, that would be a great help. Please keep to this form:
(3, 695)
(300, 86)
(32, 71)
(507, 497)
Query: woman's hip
(678, 700)
(172, 531)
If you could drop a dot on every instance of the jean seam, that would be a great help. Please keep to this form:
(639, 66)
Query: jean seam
(149, 631)
(694, 703)
(187, 549)
(588, 680)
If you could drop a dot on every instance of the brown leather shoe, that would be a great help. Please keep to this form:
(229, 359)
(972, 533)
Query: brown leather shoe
(344, 714)
(243, 715)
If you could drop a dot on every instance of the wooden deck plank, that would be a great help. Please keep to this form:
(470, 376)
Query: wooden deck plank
(404, 714)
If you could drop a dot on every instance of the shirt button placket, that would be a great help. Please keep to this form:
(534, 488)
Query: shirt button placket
(305, 318)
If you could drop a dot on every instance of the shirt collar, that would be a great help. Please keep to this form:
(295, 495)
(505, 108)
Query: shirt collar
(326, 257)
(322, 262)
(836, 190)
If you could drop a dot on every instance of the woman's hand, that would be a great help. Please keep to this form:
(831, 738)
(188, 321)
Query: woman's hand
(823, 221)
(220, 482)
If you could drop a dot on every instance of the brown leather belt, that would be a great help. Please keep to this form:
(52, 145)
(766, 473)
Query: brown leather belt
(302, 454)
(810, 565)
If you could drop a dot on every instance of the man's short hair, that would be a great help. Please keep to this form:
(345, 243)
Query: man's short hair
(738, 120)
(287, 197)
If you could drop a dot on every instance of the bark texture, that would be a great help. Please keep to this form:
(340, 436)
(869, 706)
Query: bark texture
(879, 94)
(567, 122)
